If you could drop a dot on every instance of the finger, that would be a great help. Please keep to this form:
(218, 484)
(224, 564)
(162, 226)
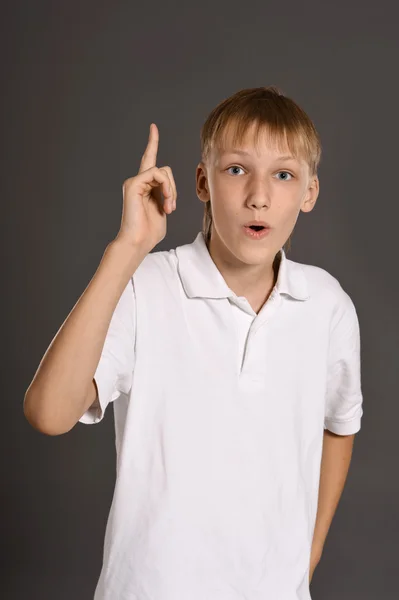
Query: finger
(173, 184)
(158, 180)
(168, 188)
(149, 158)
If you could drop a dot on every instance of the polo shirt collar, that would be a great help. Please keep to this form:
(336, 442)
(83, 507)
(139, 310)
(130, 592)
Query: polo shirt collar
(201, 278)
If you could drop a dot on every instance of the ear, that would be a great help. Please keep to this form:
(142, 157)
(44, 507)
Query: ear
(201, 177)
(311, 194)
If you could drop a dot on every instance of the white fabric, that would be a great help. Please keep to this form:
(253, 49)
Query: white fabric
(219, 420)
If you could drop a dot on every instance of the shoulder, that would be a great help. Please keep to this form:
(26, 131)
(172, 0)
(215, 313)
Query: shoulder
(157, 273)
(162, 261)
(327, 289)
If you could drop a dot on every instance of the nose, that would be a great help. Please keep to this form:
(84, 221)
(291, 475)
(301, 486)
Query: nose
(259, 196)
(258, 203)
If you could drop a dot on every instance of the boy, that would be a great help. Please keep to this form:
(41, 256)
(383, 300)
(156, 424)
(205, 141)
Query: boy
(225, 362)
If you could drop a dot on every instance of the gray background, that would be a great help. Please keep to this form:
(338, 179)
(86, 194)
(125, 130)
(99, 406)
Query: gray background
(82, 81)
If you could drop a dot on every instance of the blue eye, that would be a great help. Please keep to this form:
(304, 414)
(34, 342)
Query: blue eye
(286, 173)
(290, 176)
(234, 167)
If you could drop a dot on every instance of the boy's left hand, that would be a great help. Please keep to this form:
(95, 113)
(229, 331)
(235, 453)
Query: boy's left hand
(315, 557)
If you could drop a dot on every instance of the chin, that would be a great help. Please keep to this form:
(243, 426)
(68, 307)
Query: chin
(256, 255)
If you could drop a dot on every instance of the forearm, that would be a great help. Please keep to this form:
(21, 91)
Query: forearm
(336, 458)
(54, 399)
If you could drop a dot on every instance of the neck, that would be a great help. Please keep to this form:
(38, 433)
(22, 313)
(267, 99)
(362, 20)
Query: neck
(251, 281)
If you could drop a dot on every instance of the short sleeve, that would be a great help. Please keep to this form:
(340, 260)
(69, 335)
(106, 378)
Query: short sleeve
(114, 373)
(343, 410)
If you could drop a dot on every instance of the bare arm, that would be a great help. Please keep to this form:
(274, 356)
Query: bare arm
(335, 462)
(63, 387)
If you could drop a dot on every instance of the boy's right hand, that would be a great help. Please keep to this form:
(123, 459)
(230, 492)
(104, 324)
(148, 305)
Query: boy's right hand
(143, 222)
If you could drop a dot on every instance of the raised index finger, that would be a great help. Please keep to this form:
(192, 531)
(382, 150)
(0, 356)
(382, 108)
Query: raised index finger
(150, 155)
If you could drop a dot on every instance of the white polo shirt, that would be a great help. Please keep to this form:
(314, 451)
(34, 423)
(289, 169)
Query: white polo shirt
(219, 419)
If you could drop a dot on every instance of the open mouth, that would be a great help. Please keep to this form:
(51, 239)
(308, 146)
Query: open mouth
(256, 232)
(256, 227)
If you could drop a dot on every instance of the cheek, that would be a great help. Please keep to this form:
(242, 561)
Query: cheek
(292, 217)
(225, 201)
(288, 212)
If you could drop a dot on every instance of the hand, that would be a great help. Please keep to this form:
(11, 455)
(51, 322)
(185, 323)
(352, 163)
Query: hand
(315, 557)
(143, 222)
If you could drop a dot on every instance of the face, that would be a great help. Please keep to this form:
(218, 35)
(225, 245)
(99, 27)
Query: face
(262, 184)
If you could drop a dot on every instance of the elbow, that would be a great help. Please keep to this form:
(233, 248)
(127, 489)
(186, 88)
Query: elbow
(35, 418)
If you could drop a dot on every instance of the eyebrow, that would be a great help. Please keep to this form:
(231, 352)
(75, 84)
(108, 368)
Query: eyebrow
(245, 153)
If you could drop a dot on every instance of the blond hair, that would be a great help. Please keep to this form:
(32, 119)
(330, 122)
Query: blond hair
(264, 106)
